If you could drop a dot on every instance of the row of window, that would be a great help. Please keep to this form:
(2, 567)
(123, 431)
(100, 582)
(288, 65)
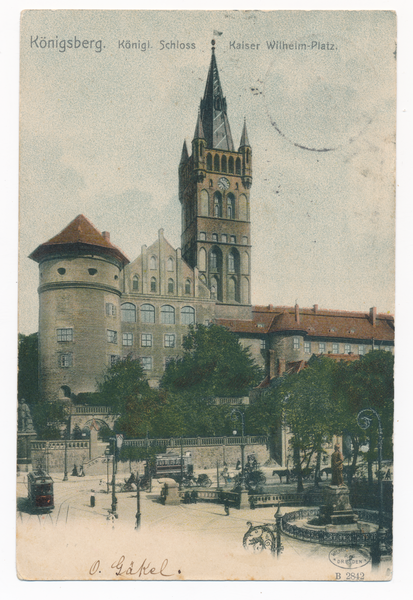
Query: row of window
(320, 347)
(146, 361)
(147, 340)
(147, 314)
(224, 166)
(153, 285)
(91, 271)
(153, 264)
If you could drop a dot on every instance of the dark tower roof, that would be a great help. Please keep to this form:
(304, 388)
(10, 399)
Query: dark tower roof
(184, 155)
(244, 136)
(199, 131)
(214, 111)
(79, 236)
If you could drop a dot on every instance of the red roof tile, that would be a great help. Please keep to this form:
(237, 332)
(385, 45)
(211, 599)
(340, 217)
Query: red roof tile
(318, 323)
(80, 233)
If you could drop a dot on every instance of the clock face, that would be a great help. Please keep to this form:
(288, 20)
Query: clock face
(223, 183)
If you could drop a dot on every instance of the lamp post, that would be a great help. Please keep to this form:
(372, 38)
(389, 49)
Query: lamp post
(138, 502)
(234, 413)
(182, 466)
(364, 421)
(117, 443)
(65, 473)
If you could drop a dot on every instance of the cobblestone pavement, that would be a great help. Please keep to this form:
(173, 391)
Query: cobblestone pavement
(197, 541)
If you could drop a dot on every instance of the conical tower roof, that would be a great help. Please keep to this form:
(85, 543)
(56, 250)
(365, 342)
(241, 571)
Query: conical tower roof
(184, 154)
(214, 111)
(80, 235)
(244, 136)
(199, 130)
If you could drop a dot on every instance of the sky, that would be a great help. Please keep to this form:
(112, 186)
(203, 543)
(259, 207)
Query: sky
(101, 134)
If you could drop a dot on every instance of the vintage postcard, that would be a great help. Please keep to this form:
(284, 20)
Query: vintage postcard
(206, 295)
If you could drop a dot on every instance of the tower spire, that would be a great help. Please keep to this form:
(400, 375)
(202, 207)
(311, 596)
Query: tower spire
(217, 132)
(199, 131)
(184, 155)
(244, 136)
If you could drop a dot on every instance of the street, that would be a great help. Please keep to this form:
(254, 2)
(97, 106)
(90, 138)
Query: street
(187, 541)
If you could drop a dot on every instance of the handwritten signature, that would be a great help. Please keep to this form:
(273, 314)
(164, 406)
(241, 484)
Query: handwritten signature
(144, 570)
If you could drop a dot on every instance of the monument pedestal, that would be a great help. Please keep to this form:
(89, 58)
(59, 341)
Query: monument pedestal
(244, 499)
(337, 509)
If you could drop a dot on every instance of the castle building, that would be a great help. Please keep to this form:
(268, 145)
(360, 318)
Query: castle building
(95, 306)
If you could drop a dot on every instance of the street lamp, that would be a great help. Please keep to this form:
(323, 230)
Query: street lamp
(117, 443)
(364, 421)
(65, 473)
(234, 413)
(138, 502)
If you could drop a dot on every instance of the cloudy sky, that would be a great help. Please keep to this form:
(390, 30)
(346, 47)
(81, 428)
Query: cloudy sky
(102, 131)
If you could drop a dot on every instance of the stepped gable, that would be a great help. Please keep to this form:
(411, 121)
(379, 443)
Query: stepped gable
(315, 322)
(79, 235)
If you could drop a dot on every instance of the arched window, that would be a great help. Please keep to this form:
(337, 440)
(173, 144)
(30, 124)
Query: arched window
(230, 165)
(187, 315)
(245, 263)
(231, 263)
(238, 166)
(248, 156)
(231, 288)
(224, 164)
(209, 162)
(214, 237)
(153, 284)
(202, 259)
(167, 315)
(152, 263)
(171, 286)
(147, 313)
(230, 206)
(216, 162)
(170, 264)
(135, 283)
(213, 260)
(188, 285)
(128, 312)
(214, 288)
(217, 204)
(65, 391)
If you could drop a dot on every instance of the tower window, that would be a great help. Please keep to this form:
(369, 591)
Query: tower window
(216, 162)
(110, 309)
(231, 262)
(153, 284)
(146, 340)
(167, 315)
(65, 334)
(217, 204)
(147, 313)
(111, 336)
(187, 315)
(214, 237)
(231, 206)
(209, 163)
(188, 286)
(224, 164)
(224, 238)
(230, 165)
(233, 239)
(213, 260)
(66, 360)
(238, 166)
(128, 312)
(127, 339)
(244, 239)
(296, 343)
(135, 283)
(170, 286)
(61, 271)
(202, 235)
(92, 271)
(152, 263)
(169, 340)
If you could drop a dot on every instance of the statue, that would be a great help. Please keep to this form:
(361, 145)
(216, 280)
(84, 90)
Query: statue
(337, 466)
(25, 422)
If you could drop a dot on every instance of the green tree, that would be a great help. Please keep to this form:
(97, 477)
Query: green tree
(126, 389)
(213, 364)
(28, 387)
(50, 419)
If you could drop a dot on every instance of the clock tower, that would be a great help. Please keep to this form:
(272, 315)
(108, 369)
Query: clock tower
(214, 185)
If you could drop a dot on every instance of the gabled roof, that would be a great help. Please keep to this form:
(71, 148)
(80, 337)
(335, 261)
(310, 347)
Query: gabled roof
(314, 322)
(80, 235)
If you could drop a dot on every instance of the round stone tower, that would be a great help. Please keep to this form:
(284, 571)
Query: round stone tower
(79, 309)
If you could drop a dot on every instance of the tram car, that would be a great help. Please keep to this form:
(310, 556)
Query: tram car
(40, 490)
(169, 465)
